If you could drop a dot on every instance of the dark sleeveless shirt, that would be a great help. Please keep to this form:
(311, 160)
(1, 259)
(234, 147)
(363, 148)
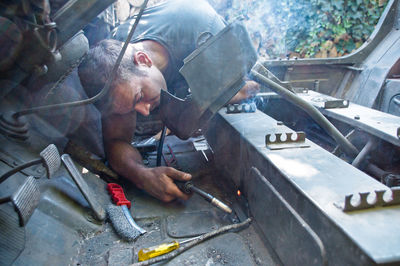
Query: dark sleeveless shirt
(176, 25)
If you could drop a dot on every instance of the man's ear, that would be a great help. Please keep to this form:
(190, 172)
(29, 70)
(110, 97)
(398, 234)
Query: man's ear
(141, 58)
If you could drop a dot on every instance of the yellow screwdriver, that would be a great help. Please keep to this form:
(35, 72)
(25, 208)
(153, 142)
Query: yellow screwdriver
(155, 251)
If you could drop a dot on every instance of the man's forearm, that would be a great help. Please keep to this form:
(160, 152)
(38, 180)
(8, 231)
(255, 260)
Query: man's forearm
(158, 181)
(126, 161)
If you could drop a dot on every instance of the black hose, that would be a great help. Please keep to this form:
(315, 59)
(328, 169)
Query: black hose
(160, 146)
(106, 86)
(19, 168)
(5, 199)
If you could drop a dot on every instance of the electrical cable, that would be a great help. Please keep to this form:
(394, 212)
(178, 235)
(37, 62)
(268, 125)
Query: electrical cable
(19, 168)
(160, 146)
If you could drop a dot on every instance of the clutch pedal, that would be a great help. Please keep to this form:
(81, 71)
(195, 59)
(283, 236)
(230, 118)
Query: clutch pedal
(26, 199)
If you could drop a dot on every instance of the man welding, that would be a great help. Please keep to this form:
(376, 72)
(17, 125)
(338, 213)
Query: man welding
(165, 35)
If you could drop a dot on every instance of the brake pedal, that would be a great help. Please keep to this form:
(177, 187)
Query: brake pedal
(51, 159)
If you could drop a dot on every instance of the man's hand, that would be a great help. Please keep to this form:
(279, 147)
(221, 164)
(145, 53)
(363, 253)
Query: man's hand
(249, 90)
(159, 182)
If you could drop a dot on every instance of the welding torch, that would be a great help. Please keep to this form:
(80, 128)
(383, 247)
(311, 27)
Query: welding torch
(188, 187)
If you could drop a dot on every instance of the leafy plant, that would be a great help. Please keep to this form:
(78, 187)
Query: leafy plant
(306, 28)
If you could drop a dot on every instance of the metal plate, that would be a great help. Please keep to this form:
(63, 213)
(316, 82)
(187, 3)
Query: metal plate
(282, 225)
(379, 124)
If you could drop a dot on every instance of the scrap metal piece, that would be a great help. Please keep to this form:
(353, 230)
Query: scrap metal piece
(363, 203)
(83, 187)
(241, 108)
(26, 199)
(286, 140)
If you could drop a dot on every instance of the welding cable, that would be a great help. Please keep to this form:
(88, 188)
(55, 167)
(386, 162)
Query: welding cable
(260, 74)
(195, 242)
(106, 86)
(160, 146)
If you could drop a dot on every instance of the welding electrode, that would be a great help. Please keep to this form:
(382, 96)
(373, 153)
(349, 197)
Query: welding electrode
(120, 215)
(155, 251)
(188, 187)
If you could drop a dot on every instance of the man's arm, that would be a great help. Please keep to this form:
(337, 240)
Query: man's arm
(249, 90)
(127, 161)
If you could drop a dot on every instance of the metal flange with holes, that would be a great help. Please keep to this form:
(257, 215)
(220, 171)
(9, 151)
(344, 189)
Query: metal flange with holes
(278, 141)
(241, 108)
(363, 203)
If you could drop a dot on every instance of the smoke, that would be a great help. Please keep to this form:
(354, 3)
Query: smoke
(268, 22)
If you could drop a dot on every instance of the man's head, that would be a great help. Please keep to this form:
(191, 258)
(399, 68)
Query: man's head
(137, 83)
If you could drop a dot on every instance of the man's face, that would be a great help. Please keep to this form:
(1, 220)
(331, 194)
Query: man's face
(140, 93)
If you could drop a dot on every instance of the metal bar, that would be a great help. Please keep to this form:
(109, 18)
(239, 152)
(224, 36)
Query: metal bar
(364, 152)
(83, 187)
(258, 73)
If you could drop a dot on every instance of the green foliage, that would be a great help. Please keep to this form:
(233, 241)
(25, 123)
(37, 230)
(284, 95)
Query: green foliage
(307, 28)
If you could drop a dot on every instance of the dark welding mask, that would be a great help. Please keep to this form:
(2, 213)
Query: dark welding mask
(214, 73)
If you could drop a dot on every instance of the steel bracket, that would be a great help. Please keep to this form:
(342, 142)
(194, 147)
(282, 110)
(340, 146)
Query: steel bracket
(330, 102)
(241, 108)
(278, 141)
(363, 202)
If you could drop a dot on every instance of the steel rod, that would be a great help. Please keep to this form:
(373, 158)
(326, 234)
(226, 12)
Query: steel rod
(345, 145)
